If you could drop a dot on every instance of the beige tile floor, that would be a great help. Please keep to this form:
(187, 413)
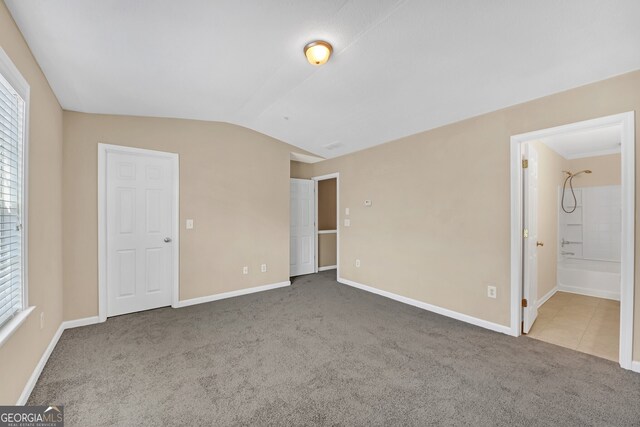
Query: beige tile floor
(587, 324)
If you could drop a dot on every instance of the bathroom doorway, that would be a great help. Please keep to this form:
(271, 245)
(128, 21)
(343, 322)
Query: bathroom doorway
(572, 236)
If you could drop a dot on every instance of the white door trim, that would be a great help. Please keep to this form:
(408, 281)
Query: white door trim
(335, 175)
(627, 121)
(103, 149)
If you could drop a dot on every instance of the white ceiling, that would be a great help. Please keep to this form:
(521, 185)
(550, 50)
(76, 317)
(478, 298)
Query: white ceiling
(593, 142)
(399, 66)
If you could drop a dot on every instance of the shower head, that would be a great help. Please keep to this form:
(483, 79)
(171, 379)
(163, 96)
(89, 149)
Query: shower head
(569, 174)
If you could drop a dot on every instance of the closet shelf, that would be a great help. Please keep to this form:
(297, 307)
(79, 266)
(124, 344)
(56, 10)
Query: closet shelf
(327, 231)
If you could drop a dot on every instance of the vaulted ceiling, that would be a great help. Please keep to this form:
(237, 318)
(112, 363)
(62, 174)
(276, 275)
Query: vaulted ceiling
(399, 66)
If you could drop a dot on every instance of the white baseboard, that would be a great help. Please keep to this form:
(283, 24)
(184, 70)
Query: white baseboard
(433, 308)
(68, 324)
(589, 292)
(33, 379)
(328, 267)
(216, 297)
(546, 297)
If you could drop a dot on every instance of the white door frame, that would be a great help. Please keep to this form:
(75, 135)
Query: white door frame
(335, 175)
(530, 249)
(103, 149)
(627, 122)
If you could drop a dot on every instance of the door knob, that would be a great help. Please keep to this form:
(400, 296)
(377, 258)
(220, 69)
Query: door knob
(537, 243)
(167, 239)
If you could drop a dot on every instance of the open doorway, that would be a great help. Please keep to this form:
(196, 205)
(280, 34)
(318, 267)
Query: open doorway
(572, 236)
(326, 222)
(315, 234)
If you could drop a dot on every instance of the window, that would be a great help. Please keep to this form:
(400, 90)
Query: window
(12, 194)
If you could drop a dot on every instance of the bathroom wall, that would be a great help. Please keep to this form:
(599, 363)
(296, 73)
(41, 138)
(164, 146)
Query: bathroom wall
(606, 170)
(595, 223)
(591, 265)
(600, 186)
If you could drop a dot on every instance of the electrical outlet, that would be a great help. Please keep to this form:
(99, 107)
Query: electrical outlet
(189, 224)
(245, 270)
(492, 292)
(347, 223)
(357, 263)
(367, 203)
(263, 268)
(42, 320)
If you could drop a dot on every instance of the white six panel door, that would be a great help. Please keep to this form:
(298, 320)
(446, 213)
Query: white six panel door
(303, 245)
(139, 232)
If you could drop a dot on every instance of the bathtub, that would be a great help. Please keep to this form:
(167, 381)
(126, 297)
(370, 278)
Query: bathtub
(590, 277)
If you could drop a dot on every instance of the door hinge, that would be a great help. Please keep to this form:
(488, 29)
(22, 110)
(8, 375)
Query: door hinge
(525, 303)
(525, 163)
(525, 233)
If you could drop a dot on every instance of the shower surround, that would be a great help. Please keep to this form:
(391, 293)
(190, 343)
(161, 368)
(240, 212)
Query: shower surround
(590, 242)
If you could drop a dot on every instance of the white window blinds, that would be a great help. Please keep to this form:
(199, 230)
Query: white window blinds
(12, 117)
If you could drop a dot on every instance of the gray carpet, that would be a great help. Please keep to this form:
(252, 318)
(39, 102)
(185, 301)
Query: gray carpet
(321, 353)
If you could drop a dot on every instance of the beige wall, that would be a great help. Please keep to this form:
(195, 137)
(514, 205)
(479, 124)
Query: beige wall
(550, 177)
(234, 184)
(606, 170)
(327, 204)
(20, 354)
(300, 170)
(439, 227)
(327, 247)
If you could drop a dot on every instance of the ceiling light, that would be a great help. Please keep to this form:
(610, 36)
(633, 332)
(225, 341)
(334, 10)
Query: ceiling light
(318, 52)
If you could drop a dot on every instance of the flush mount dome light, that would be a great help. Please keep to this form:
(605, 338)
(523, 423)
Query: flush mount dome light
(318, 52)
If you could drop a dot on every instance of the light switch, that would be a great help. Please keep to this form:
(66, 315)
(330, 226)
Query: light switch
(189, 224)
(346, 211)
(347, 223)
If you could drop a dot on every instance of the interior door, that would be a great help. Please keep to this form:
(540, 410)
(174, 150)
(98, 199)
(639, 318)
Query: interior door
(530, 291)
(303, 246)
(140, 216)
